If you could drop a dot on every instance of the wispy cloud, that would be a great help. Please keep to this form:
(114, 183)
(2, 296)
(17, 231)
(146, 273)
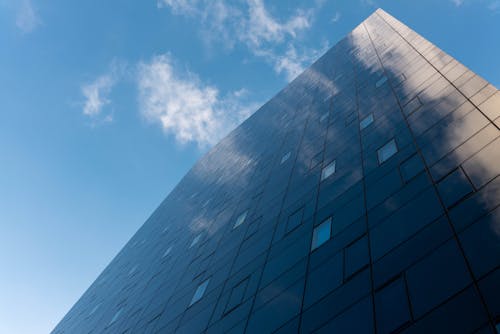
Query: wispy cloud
(184, 106)
(261, 27)
(292, 62)
(178, 6)
(27, 18)
(457, 3)
(254, 26)
(494, 6)
(369, 3)
(336, 17)
(263, 34)
(96, 94)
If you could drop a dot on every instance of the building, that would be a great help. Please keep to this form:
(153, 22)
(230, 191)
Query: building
(363, 198)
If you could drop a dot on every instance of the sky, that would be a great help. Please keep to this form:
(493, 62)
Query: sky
(105, 105)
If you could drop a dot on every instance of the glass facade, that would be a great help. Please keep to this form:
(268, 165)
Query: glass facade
(321, 234)
(387, 151)
(398, 238)
(328, 170)
(366, 121)
(198, 294)
(240, 220)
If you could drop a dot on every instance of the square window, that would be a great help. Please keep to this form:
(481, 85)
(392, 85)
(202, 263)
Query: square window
(324, 117)
(328, 170)
(381, 81)
(285, 157)
(366, 121)
(169, 249)
(200, 291)
(195, 240)
(387, 151)
(240, 220)
(294, 220)
(321, 234)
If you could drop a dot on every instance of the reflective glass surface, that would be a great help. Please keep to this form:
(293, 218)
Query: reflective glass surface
(195, 240)
(344, 224)
(115, 317)
(169, 249)
(285, 157)
(198, 294)
(321, 234)
(240, 220)
(381, 82)
(366, 121)
(328, 170)
(387, 151)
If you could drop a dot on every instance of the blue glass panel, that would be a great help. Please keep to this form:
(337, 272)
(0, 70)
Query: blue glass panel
(321, 234)
(387, 151)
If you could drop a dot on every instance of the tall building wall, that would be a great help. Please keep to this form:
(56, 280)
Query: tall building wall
(363, 198)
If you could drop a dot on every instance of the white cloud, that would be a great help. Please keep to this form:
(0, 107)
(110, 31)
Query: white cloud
(262, 27)
(292, 62)
(457, 3)
(185, 7)
(185, 107)
(336, 17)
(253, 26)
(96, 94)
(27, 18)
(369, 3)
(263, 34)
(494, 7)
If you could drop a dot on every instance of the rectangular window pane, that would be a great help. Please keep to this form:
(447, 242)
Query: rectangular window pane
(294, 220)
(237, 295)
(392, 307)
(323, 117)
(95, 309)
(131, 271)
(285, 157)
(316, 160)
(195, 240)
(366, 121)
(400, 79)
(169, 249)
(387, 151)
(200, 291)
(321, 233)
(328, 170)
(116, 316)
(240, 220)
(381, 82)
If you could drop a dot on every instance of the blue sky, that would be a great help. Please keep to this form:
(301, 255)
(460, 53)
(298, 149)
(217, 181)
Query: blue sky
(105, 105)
